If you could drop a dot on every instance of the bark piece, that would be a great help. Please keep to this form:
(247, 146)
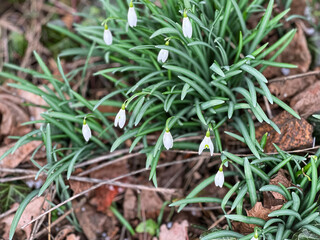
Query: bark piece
(295, 133)
(308, 101)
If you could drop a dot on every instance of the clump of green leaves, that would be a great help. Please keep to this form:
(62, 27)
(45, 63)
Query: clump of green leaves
(11, 193)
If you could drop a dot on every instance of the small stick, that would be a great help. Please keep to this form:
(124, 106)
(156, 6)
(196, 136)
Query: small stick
(291, 77)
(266, 103)
(220, 220)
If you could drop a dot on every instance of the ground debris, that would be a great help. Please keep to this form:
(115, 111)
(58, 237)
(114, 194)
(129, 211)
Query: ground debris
(179, 231)
(295, 133)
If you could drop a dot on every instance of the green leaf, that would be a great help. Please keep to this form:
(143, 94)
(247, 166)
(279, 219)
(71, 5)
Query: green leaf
(123, 221)
(245, 219)
(148, 226)
(214, 67)
(250, 182)
(19, 212)
(196, 200)
(285, 212)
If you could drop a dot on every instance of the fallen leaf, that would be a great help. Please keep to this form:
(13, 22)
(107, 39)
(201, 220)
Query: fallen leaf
(179, 231)
(258, 211)
(261, 212)
(287, 89)
(64, 232)
(73, 237)
(308, 101)
(93, 223)
(79, 186)
(130, 204)
(105, 194)
(296, 53)
(13, 160)
(12, 116)
(35, 112)
(280, 178)
(150, 204)
(32, 210)
(295, 133)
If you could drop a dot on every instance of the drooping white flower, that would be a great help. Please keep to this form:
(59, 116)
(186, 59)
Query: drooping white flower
(256, 234)
(186, 26)
(121, 117)
(86, 131)
(163, 54)
(219, 178)
(107, 36)
(206, 144)
(167, 139)
(132, 16)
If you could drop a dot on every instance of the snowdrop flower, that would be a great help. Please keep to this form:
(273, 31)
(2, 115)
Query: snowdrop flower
(256, 235)
(86, 131)
(219, 178)
(167, 139)
(132, 16)
(206, 144)
(186, 26)
(107, 36)
(163, 54)
(121, 117)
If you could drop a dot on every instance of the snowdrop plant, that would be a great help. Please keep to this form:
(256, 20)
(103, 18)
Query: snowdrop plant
(132, 16)
(86, 131)
(107, 35)
(219, 178)
(167, 139)
(186, 25)
(120, 118)
(163, 54)
(206, 144)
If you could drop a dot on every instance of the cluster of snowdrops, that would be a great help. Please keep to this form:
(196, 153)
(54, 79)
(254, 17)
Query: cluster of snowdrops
(163, 55)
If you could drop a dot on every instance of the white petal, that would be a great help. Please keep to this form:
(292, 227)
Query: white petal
(160, 55)
(254, 238)
(122, 118)
(219, 179)
(210, 146)
(186, 27)
(163, 55)
(202, 145)
(132, 17)
(167, 140)
(107, 37)
(86, 132)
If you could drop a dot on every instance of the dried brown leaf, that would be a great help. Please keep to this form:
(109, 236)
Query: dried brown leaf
(13, 160)
(73, 237)
(91, 221)
(32, 210)
(308, 101)
(64, 232)
(150, 204)
(12, 116)
(280, 177)
(179, 231)
(130, 204)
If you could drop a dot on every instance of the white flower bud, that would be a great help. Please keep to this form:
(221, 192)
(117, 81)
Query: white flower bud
(86, 131)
